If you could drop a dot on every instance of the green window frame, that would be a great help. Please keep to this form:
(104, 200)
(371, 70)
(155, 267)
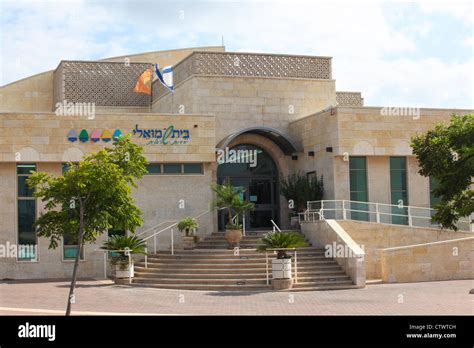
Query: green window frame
(172, 168)
(175, 169)
(70, 248)
(399, 189)
(358, 187)
(26, 215)
(433, 199)
(193, 168)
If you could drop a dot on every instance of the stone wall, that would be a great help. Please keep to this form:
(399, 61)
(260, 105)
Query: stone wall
(42, 137)
(316, 133)
(374, 237)
(158, 197)
(326, 233)
(35, 93)
(241, 102)
(446, 260)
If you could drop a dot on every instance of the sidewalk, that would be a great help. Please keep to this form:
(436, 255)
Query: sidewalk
(96, 297)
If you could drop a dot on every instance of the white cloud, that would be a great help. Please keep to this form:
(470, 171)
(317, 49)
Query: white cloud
(358, 35)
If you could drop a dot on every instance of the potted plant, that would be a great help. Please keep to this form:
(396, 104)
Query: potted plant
(189, 226)
(230, 198)
(123, 267)
(281, 266)
(300, 188)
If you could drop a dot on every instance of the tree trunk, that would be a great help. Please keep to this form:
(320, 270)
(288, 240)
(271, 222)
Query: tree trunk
(80, 242)
(230, 217)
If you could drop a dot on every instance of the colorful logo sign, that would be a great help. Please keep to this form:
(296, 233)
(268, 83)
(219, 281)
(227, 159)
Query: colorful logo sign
(95, 135)
(165, 136)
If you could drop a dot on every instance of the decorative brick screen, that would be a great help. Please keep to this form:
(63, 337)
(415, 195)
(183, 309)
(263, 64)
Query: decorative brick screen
(349, 99)
(102, 83)
(245, 64)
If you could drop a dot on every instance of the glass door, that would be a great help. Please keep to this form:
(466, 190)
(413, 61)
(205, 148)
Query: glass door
(261, 193)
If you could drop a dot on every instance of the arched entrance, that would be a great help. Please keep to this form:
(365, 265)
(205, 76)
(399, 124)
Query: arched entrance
(260, 181)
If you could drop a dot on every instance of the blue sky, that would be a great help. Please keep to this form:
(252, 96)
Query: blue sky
(397, 53)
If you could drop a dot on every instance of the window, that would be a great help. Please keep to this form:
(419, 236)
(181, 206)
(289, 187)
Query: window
(70, 247)
(172, 168)
(192, 168)
(26, 210)
(154, 168)
(433, 199)
(175, 168)
(358, 187)
(398, 189)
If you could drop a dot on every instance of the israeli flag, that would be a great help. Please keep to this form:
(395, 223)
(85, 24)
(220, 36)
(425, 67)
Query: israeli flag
(165, 76)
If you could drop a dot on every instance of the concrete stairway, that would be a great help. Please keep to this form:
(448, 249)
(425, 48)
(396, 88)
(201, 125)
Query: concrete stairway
(211, 266)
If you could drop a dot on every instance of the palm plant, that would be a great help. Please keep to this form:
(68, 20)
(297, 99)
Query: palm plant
(187, 224)
(133, 244)
(282, 240)
(300, 188)
(230, 198)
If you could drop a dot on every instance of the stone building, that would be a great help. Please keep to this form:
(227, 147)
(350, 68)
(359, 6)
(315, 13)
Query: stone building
(285, 107)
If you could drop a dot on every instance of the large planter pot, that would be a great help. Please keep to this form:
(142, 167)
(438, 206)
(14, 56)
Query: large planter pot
(282, 284)
(124, 273)
(233, 237)
(188, 242)
(281, 268)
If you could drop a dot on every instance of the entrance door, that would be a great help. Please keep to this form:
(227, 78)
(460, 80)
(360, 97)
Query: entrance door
(260, 183)
(261, 192)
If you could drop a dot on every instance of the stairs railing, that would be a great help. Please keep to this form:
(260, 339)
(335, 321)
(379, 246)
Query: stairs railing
(376, 212)
(171, 229)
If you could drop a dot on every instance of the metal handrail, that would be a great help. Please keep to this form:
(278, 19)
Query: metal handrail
(172, 233)
(372, 209)
(275, 226)
(154, 227)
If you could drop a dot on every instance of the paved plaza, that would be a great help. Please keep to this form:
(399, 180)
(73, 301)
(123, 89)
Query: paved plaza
(100, 297)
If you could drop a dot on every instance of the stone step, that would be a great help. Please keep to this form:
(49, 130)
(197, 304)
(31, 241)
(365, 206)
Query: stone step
(230, 263)
(243, 257)
(222, 237)
(228, 253)
(324, 287)
(256, 272)
(302, 277)
(238, 281)
(205, 287)
(247, 270)
(200, 281)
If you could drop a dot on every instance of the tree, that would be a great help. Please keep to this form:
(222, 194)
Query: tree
(446, 153)
(301, 189)
(230, 198)
(91, 197)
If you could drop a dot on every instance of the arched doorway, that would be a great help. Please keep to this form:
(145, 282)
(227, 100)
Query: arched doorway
(260, 181)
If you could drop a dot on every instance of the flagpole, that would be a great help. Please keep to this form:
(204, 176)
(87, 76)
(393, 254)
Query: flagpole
(171, 101)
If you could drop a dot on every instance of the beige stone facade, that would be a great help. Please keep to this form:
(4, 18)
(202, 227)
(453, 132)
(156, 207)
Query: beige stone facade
(446, 260)
(375, 238)
(287, 106)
